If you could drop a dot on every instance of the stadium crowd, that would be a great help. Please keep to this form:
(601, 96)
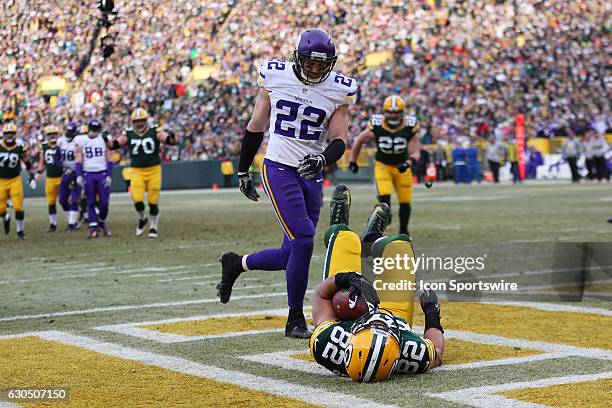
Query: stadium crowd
(465, 67)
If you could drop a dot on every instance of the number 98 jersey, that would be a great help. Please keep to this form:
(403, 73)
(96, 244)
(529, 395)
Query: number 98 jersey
(331, 338)
(299, 113)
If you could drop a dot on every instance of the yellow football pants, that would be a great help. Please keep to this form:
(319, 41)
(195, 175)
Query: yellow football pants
(52, 185)
(146, 180)
(343, 254)
(12, 188)
(387, 177)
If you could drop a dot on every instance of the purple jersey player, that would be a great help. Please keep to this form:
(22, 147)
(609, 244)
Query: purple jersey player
(94, 168)
(303, 104)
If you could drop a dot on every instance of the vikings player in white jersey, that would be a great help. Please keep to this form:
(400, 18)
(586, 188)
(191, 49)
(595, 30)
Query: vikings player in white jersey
(305, 104)
(94, 168)
(70, 191)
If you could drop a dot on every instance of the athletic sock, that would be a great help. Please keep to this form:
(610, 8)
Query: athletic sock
(154, 219)
(19, 225)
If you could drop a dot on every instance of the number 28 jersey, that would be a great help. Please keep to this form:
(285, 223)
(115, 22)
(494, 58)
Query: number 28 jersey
(299, 113)
(331, 339)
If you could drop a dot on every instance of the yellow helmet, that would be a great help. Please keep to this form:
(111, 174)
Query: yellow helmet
(140, 114)
(51, 129)
(140, 120)
(393, 103)
(374, 347)
(9, 128)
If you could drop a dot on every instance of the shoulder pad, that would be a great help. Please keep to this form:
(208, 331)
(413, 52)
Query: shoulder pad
(269, 69)
(346, 86)
(128, 129)
(153, 126)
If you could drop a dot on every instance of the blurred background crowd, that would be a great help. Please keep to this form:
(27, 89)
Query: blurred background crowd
(464, 67)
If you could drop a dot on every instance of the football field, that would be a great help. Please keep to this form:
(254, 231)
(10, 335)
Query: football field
(129, 321)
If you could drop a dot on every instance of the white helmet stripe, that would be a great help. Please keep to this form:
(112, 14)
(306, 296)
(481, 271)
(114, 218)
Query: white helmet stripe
(394, 102)
(378, 340)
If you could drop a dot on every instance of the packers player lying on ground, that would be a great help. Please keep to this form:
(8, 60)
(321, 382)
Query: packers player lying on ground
(380, 342)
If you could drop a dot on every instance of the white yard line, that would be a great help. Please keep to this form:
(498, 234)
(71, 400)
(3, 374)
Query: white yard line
(137, 307)
(485, 396)
(284, 360)
(177, 364)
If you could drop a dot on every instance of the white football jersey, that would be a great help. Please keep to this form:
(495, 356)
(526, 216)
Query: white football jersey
(299, 114)
(67, 149)
(94, 153)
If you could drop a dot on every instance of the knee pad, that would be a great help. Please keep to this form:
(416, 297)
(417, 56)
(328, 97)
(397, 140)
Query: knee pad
(385, 199)
(139, 206)
(20, 215)
(153, 209)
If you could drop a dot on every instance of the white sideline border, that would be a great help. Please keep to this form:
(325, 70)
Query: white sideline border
(484, 397)
(254, 382)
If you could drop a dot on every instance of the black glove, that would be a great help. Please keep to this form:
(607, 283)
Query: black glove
(310, 165)
(357, 285)
(431, 309)
(353, 167)
(247, 187)
(402, 167)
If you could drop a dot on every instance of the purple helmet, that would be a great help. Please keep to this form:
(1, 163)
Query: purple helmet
(95, 128)
(71, 130)
(314, 45)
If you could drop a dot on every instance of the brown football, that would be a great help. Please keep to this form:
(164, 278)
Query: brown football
(343, 309)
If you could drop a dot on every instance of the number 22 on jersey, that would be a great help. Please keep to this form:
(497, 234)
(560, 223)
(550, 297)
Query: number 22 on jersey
(287, 124)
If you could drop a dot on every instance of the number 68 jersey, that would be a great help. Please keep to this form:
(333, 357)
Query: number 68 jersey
(299, 113)
(331, 339)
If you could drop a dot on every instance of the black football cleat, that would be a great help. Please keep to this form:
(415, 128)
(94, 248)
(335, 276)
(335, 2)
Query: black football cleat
(296, 325)
(340, 205)
(610, 220)
(52, 228)
(141, 226)
(378, 219)
(71, 228)
(7, 224)
(21, 236)
(152, 233)
(231, 268)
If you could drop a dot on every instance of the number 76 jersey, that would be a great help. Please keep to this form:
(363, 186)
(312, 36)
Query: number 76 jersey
(299, 113)
(330, 340)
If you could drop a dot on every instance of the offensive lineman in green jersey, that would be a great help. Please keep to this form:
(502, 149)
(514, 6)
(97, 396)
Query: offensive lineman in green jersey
(48, 161)
(397, 149)
(143, 142)
(12, 152)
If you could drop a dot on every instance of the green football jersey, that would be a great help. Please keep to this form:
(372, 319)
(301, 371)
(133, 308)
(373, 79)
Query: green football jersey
(49, 153)
(10, 159)
(330, 340)
(392, 145)
(144, 149)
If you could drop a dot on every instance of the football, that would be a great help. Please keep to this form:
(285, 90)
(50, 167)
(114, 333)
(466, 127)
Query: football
(343, 308)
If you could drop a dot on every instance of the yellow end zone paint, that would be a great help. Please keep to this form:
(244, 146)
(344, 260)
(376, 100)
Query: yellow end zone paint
(221, 325)
(588, 394)
(461, 352)
(97, 380)
(576, 329)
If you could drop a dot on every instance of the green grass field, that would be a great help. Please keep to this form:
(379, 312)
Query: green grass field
(63, 283)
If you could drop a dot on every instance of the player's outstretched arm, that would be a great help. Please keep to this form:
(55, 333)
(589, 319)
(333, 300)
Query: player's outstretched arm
(78, 167)
(167, 138)
(41, 165)
(117, 143)
(364, 137)
(251, 142)
(433, 328)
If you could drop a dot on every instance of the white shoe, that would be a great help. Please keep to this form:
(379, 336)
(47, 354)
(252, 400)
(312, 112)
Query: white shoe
(141, 226)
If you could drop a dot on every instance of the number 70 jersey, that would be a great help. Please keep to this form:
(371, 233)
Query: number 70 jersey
(299, 113)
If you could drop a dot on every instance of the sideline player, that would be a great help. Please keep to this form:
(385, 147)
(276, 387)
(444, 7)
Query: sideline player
(305, 103)
(69, 190)
(146, 174)
(397, 149)
(50, 161)
(94, 169)
(12, 152)
(351, 348)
